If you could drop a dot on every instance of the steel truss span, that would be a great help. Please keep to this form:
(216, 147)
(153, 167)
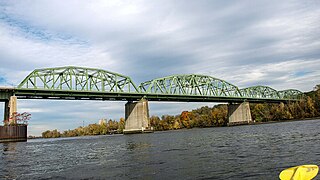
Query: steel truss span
(96, 84)
(78, 79)
(192, 84)
(260, 92)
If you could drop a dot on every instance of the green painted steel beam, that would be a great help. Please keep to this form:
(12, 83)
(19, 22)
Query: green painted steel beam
(81, 82)
(78, 78)
(260, 92)
(190, 84)
(291, 94)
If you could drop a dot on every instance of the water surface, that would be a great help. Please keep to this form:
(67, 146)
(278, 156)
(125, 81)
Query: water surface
(240, 152)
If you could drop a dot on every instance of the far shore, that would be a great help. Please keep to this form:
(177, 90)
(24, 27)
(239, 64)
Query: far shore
(253, 123)
(289, 120)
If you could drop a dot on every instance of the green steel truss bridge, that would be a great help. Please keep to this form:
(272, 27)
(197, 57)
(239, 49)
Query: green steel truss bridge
(79, 83)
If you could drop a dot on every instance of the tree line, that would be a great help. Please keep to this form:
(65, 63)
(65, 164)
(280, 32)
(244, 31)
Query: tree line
(111, 127)
(216, 116)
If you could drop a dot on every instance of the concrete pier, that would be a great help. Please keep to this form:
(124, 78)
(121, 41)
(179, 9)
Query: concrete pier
(239, 114)
(12, 109)
(137, 117)
(5, 96)
(6, 111)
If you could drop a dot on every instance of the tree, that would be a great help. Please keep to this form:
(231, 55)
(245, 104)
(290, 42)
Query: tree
(308, 106)
(177, 124)
(55, 133)
(219, 115)
(121, 125)
(23, 118)
(185, 119)
(46, 134)
(19, 118)
(51, 134)
(155, 122)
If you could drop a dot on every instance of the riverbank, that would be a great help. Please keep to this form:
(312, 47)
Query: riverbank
(307, 108)
(183, 129)
(289, 120)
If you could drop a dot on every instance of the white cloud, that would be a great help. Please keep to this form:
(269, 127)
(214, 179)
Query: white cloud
(243, 42)
(20, 55)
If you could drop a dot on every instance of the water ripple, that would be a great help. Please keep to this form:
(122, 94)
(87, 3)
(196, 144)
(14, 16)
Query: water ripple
(243, 152)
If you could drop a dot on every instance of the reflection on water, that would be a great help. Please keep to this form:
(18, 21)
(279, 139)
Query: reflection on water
(8, 156)
(131, 146)
(243, 152)
(11, 147)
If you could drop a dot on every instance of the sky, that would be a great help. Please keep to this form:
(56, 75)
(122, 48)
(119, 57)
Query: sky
(246, 43)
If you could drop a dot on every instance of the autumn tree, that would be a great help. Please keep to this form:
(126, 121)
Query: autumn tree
(121, 125)
(185, 119)
(307, 107)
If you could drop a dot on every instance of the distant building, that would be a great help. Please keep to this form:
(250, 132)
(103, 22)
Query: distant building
(102, 122)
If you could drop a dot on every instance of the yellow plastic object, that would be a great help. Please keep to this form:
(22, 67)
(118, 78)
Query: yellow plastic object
(303, 172)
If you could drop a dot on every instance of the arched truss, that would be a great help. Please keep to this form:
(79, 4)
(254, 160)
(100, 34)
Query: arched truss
(263, 92)
(190, 85)
(290, 94)
(83, 80)
(78, 79)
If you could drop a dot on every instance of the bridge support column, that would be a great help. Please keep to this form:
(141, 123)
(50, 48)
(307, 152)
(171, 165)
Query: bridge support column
(10, 108)
(137, 117)
(239, 114)
(6, 111)
(13, 108)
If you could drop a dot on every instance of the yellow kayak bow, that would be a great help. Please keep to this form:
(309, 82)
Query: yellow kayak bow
(303, 172)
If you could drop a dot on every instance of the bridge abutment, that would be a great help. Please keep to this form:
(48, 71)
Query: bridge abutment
(137, 117)
(239, 113)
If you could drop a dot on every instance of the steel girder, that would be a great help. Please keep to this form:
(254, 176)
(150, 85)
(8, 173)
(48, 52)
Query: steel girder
(190, 85)
(78, 79)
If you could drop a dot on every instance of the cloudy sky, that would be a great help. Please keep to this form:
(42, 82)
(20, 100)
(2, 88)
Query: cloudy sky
(271, 42)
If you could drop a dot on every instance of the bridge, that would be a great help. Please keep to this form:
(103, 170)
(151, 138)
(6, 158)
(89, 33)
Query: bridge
(80, 83)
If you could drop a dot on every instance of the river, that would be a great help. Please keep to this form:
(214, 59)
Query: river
(239, 152)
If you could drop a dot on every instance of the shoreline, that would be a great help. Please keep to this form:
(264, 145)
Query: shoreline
(253, 123)
(281, 121)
